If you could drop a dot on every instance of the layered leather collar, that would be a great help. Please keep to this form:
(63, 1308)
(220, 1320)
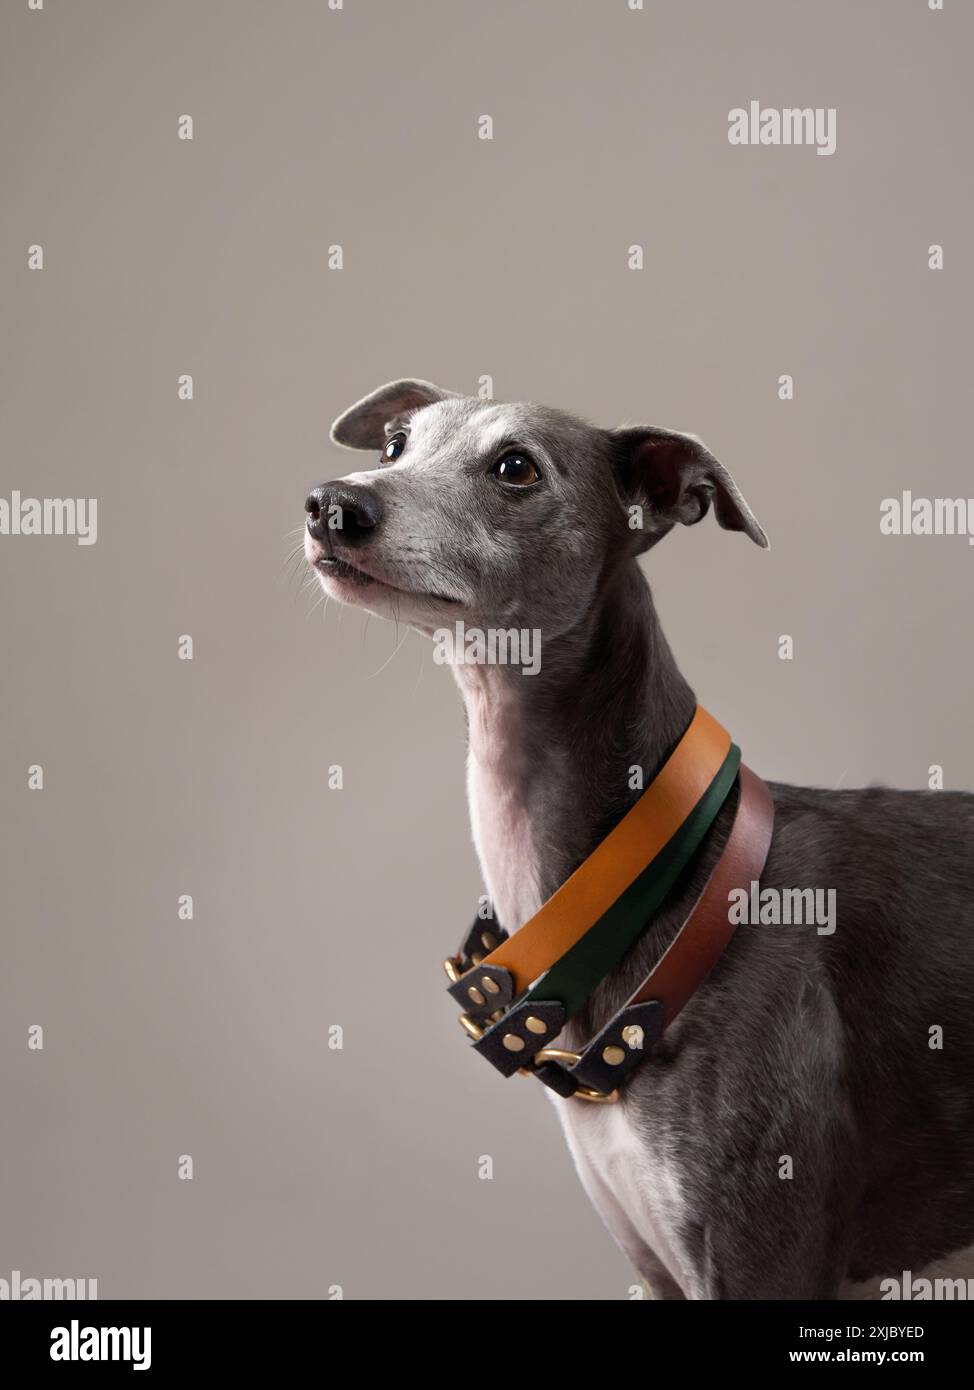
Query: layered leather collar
(519, 990)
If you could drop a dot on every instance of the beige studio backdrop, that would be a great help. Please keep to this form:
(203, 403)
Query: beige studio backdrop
(463, 258)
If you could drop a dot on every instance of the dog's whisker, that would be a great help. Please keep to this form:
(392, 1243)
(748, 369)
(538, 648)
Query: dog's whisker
(322, 598)
(422, 667)
(391, 656)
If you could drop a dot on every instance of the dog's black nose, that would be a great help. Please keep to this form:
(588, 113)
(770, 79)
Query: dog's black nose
(349, 510)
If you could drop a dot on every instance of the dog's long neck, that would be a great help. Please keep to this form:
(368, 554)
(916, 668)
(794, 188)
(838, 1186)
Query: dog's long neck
(551, 755)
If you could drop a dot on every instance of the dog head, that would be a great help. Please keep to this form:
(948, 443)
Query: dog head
(506, 515)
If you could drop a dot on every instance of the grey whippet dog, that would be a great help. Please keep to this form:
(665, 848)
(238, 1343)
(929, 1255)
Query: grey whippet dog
(818, 1047)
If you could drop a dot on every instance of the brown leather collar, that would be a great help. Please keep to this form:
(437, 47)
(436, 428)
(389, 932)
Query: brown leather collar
(694, 951)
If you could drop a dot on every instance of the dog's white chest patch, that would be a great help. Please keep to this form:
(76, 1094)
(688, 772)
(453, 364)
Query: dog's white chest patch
(633, 1186)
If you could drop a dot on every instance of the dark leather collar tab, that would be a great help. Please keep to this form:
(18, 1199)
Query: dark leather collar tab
(620, 1047)
(514, 1040)
(557, 1079)
(483, 990)
(482, 938)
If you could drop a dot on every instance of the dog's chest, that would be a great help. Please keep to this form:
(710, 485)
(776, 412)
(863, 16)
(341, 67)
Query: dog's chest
(634, 1186)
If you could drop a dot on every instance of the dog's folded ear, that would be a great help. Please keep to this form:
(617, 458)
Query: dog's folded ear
(674, 479)
(363, 425)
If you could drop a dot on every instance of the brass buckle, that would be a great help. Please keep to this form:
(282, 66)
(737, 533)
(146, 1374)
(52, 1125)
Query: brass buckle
(558, 1054)
(476, 1030)
(472, 1026)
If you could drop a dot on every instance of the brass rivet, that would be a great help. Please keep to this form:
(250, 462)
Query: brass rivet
(613, 1055)
(497, 1015)
(513, 1043)
(474, 993)
(534, 1025)
(489, 942)
(491, 986)
(476, 958)
(632, 1034)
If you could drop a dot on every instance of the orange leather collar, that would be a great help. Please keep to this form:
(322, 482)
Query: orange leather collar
(619, 859)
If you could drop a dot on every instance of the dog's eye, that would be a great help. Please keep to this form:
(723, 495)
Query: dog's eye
(517, 469)
(394, 448)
